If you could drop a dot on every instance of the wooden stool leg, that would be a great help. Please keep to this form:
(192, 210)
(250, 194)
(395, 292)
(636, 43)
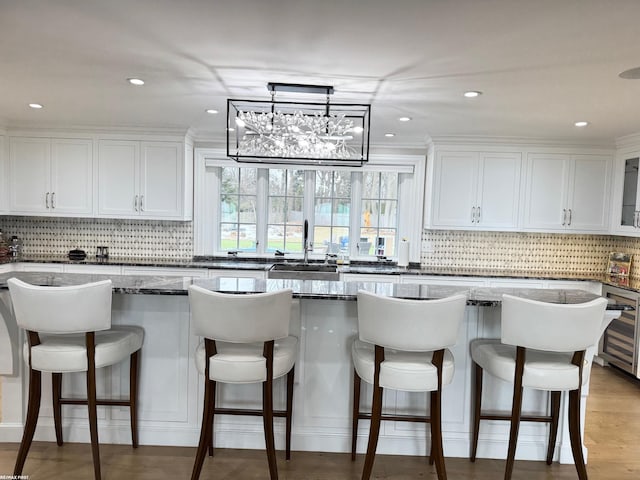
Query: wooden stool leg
(33, 409)
(355, 413)
(376, 413)
(56, 387)
(436, 434)
(290, 378)
(91, 402)
(574, 433)
(267, 411)
(477, 409)
(207, 426)
(516, 410)
(553, 430)
(133, 396)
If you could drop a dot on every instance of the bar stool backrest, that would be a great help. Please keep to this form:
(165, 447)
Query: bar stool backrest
(551, 326)
(410, 325)
(238, 318)
(59, 310)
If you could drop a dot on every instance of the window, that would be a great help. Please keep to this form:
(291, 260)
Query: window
(332, 204)
(285, 216)
(238, 219)
(379, 219)
(259, 208)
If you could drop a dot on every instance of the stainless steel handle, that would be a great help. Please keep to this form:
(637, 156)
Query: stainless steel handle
(479, 214)
(142, 203)
(564, 216)
(635, 219)
(46, 200)
(135, 203)
(473, 214)
(53, 200)
(570, 216)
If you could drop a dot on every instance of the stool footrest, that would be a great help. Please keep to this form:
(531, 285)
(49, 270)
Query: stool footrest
(397, 418)
(249, 412)
(523, 418)
(80, 401)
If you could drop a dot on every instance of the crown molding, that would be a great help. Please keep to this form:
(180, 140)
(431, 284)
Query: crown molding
(522, 142)
(94, 130)
(631, 140)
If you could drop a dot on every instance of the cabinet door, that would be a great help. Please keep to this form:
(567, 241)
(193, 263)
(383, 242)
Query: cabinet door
(118, 167)
(589, 193)
(546, 191)
(455, 186)
(30, 161)
(161, 174)
(498, 190)
(4, 182)
(625, 195)
(71, 176)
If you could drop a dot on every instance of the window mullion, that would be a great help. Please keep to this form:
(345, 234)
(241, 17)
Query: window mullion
(308, 202)
(355, 213)
(262, 210)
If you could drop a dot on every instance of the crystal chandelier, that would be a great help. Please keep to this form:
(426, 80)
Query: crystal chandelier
(298, 132)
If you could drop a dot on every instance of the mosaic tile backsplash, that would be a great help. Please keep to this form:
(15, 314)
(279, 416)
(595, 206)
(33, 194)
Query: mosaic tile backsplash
(525, 252)
(125, 238)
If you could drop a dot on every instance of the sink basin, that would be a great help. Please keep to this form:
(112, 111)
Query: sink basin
(304, 271)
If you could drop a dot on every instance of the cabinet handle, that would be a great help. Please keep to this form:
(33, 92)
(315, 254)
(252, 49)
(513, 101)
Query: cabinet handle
(564, 216)
(479, 213)
(46, 200)
(570, 215)
(53, 199)
(635, 219)
(473, 214)
(142, 203)
(135, 203)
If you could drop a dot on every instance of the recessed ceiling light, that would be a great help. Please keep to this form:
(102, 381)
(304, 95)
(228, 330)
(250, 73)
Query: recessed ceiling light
(35, 106)
(211, 111)
(472, 94)
(405, 119)
(135, 81)
(389, 134)
(581, 124)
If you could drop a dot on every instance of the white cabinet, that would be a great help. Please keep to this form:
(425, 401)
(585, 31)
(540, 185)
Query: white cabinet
(143, 179)
(567, 192)
(51, 176)
(3, 177)
(476, 190)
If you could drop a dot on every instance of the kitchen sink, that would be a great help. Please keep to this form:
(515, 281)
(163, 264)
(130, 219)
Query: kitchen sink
(304, 271)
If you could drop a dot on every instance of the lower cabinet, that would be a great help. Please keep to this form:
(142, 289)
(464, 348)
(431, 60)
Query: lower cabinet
(619, 344)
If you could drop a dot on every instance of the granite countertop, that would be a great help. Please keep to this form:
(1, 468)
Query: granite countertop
(372, 268)
(308, 289)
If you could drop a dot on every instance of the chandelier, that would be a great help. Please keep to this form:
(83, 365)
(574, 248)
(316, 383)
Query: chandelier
(298, 132)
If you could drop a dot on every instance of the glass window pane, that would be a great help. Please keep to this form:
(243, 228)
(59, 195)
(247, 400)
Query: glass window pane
(370, 185)
(341, 212)
(322, 211)
(277, 181)
(228, 236)
(388, 213)
(342, 184)
(324, 180)
(230, 179)
(294, 238)
(248, 181)
(229, 208)
(388, 185)
(247, 237)
(294, 211)
(295, 183)
(247, 209)
(276, 210)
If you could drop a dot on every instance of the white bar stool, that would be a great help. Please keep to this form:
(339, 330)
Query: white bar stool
(402, 345)
(246, 340)
(69, 330)
(543, 347)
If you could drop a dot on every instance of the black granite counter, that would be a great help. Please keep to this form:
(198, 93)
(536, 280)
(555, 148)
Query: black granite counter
(307, 289)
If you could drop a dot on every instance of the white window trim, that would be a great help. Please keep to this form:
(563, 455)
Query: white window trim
(410, 196)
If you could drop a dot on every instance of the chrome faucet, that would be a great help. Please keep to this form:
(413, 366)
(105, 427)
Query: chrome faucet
(306, 241)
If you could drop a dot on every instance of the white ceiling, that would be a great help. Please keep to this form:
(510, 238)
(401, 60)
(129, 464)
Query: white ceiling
(541, 64)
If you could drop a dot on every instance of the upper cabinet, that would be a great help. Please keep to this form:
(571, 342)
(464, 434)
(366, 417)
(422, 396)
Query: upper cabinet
(626, 200)
(3, 177)
(475, 190)
(50, 176)
(567, 193)
(144, 179)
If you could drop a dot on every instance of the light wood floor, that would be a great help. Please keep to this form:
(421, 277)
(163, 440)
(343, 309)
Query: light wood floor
(612, 436)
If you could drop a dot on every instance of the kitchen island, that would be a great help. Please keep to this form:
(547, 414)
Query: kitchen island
(325, 320)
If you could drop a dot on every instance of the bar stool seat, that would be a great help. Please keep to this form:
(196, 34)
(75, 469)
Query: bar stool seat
(68, 352)
(542, 370)
(244, 363)
(406, 371)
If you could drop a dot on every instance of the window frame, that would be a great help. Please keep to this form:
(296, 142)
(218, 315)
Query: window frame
(411, 185)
